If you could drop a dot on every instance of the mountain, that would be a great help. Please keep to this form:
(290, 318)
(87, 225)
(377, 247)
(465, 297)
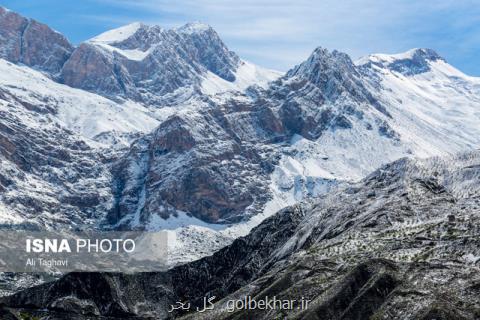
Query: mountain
(385, 247)
(58, 143)
(320, 180)
(147, 64)
(155, 65)
(442, 98)
(168, 129)
(326, 122)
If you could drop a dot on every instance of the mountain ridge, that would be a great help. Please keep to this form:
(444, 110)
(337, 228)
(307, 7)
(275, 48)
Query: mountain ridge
(134, 67)
(228, 160)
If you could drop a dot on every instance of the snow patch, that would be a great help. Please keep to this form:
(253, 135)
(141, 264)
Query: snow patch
(180, 220)
(130, 54)
(117, 35)
(389, 58)
(246, 75)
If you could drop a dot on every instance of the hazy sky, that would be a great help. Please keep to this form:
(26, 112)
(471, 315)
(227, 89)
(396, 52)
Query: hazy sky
(279, 34)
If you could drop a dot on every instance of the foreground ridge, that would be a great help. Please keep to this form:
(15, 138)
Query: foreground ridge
(389, 246)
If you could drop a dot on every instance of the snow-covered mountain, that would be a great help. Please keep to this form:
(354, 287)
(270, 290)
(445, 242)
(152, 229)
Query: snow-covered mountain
(148, 64)
(326, 122)
(437, 101)
(150, 128)
(159, 66)
(54, 142)
(58, 143)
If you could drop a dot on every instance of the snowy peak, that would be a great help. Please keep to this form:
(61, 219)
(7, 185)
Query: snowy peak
(322, 61)
(412, 62)
(334, 74)
(125, 32)
(118, 34)
(142, 37)
(147, 63)
(204, 45)
(194, 27)
(428, 99)
(4, 11)
(426, 54)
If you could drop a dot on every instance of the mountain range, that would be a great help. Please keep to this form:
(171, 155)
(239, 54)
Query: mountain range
(146, 128)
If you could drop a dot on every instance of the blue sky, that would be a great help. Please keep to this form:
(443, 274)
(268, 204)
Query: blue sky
(281, 33)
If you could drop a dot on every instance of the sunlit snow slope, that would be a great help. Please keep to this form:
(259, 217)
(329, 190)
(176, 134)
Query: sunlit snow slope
(86, 114)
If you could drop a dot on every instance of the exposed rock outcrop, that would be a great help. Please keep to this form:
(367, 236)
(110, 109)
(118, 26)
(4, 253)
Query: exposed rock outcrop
(32, 43)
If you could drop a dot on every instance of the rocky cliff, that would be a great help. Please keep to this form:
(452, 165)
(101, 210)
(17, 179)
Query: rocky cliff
(32, 43)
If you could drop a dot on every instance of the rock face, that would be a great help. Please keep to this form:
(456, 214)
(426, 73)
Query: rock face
(190, 163)
(32, 43)
(144, 63)
(326, 92)
(91, 70)
(375, 249)
(46, 170)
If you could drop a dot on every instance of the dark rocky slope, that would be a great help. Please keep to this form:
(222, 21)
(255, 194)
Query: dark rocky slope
(191, 164)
